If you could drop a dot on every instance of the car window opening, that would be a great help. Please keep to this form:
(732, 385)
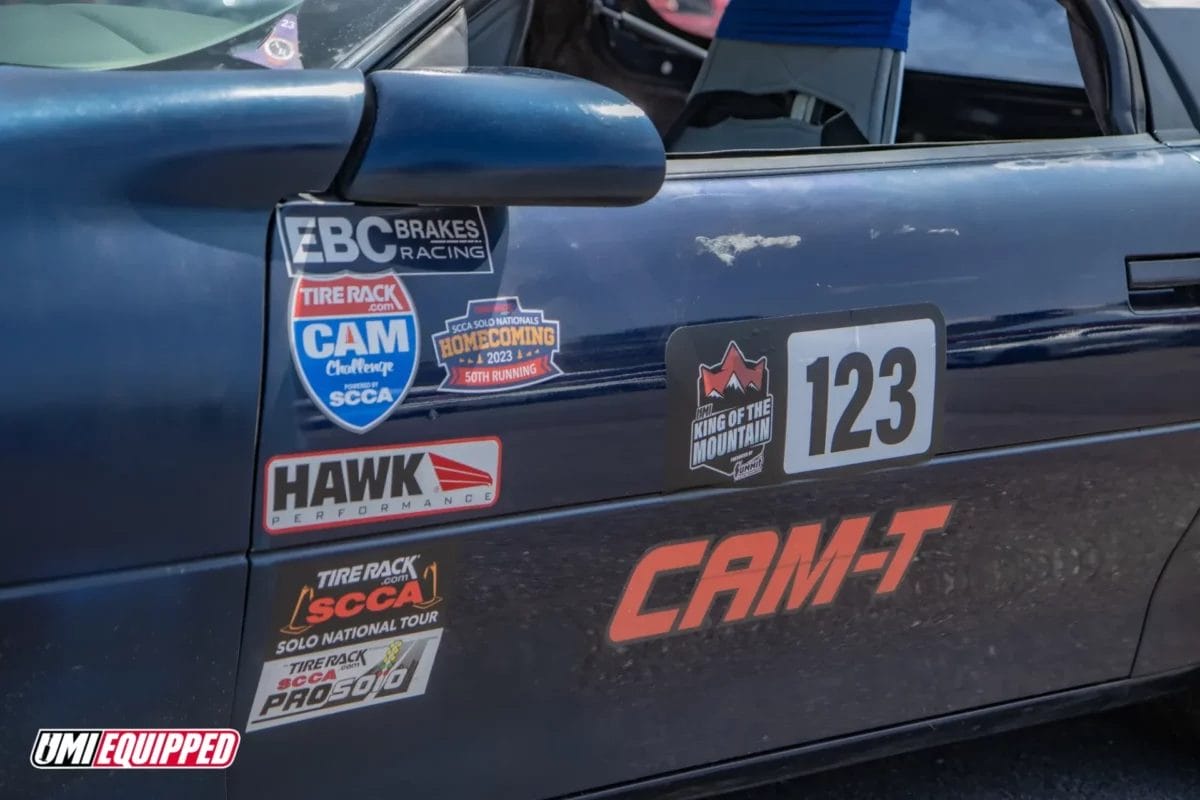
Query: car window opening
(1020, 69)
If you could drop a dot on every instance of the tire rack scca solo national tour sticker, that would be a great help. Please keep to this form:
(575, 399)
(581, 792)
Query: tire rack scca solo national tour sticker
(349, 635)
(355, 343)
(308, 491)
(497, 346)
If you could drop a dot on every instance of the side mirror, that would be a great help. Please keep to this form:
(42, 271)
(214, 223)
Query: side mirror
(501, 138)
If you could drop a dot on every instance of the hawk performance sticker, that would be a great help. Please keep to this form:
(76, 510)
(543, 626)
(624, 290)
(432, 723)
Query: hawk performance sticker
(350, 635)
(764, 573)
(355, 345)
(332, 238)
(308, 491)
(762, 401)
(497, 346)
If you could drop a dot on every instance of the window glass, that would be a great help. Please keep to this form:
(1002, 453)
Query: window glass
(188, 34)
(974, 71)
(1013, 40)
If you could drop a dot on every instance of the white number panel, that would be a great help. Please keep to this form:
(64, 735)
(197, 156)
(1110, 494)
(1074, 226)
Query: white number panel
(859, 394)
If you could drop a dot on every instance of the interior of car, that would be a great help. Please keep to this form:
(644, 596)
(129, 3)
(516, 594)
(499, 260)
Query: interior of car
(715, 76)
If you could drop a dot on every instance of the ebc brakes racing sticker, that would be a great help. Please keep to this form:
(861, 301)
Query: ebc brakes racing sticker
(763, 401)
(497, 346)
(308, 491)
(351, 322)
(332, 238)
(355, 345)
(351, 634)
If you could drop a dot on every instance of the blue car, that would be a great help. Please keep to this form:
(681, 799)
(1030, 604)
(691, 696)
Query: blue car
(543, 398)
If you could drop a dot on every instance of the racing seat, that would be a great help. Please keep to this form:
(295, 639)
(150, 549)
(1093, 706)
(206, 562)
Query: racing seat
(786, 74)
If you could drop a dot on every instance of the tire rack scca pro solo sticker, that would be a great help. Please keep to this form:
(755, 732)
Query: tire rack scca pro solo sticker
(309, 491)
(497, 346)
(351, 634)
(764, 401)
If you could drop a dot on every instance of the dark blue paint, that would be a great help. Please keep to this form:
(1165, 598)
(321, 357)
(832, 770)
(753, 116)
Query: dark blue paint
(134, 215)
(154, 647)
(503, 137)
(1042, 342)
(135, 271)
(1060, 532)
(1060, 543)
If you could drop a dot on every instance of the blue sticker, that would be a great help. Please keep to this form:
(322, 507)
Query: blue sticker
(355, 343)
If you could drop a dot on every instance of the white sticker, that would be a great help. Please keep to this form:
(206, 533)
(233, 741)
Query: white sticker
(356, 676)
(860, 394)
(308, 491)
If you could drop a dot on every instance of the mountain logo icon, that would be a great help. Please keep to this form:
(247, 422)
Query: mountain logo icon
(733, 375)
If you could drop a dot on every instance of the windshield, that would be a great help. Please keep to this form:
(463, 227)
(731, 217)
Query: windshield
(189, 34)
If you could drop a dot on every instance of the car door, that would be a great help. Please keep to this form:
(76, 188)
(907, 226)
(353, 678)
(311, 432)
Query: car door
(569, 575)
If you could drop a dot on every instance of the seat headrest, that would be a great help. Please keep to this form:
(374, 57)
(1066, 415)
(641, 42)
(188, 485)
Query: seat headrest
(830, 23)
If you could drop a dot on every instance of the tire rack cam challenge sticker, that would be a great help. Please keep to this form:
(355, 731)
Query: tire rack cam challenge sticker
(349, 636)
(497, 346)
(355, 344)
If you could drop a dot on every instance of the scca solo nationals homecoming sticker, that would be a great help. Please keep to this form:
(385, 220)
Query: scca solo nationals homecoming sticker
(497, 346)
(355, 343)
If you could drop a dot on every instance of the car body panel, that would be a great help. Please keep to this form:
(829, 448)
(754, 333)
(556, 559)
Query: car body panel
(1061, 523)
(146, 262)
(151, 647)
(1025, 365)
(1061, 543)
(134, 271)
(136, 211)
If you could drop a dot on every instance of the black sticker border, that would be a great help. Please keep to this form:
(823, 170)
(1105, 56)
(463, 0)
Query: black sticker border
(491, 232)
(768, 336)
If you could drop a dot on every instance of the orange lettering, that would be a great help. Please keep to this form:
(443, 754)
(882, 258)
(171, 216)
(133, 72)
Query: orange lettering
(630, 621)
(719, 578)
(911, 526)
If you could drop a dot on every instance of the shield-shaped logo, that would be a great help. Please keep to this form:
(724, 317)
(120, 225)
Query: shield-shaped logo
(356, 346)
(734, 413)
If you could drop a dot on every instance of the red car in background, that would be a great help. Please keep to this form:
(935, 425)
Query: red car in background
(697, 17)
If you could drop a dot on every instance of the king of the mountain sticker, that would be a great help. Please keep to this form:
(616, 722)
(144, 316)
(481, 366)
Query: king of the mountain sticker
(734, 415)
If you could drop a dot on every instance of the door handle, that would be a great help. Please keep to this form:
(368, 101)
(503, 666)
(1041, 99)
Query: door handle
(1160, 283)
(1163, 272)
